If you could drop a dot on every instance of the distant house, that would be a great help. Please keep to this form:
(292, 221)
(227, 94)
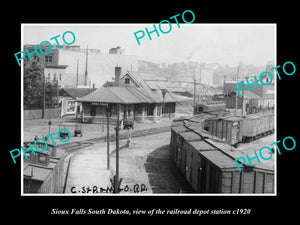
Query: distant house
(128, 96)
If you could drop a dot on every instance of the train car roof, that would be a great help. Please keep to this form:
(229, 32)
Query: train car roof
(222, 154)
(219, 159)
(190, 136)
(180, 129)
(201, 146)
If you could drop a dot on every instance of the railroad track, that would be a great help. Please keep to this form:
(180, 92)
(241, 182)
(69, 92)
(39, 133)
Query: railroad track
(134, 133)
(74, 146)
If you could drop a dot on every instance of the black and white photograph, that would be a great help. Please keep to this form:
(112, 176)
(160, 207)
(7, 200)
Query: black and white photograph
(126, 112)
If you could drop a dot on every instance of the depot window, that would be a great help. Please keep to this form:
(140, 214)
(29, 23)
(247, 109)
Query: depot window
(127, 80)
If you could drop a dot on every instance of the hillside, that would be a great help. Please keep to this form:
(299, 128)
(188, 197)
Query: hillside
(180, 71)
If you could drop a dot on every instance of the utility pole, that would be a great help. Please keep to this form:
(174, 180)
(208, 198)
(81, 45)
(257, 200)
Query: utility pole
(107, 136)
(77, 74)
(116, 178)
(194, 89)
(200, 96)
(236, 98)
(44, 100)
(242, 102)
(117, 146)
(86, 67)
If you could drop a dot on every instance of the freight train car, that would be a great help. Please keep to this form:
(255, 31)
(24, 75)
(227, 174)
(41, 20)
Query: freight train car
(234, 130)
(257, 125)
(217, 108)
(210, 169)
(227, 129)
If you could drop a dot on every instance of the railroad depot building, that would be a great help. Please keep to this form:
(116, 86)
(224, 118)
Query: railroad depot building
(130, 97)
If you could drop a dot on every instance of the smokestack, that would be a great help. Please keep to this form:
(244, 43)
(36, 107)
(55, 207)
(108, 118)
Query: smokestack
(117, 75)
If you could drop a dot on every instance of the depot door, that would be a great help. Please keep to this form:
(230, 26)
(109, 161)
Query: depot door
(93, 110)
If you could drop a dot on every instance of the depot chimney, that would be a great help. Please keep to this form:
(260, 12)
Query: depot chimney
(117, 75)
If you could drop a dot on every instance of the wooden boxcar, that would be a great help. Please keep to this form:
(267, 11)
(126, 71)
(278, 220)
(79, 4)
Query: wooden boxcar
(176, 143)
(257, 125)
(212, 170)
(234, 130)
(216, 108)
(185, 137)
(251, 127)
(227, 129)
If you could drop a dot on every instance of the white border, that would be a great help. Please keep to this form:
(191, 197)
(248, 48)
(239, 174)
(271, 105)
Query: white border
(137, 194)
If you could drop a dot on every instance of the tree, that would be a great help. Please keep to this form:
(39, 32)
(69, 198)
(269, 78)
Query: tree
(33, 88)
(50, 95)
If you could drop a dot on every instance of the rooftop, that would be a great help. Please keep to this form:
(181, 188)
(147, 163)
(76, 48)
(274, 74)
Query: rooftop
(75, 92)
(126, 95)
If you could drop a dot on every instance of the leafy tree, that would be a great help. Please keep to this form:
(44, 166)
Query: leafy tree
(33, 88)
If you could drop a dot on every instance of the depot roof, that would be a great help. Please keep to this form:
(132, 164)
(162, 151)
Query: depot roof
(126, 95)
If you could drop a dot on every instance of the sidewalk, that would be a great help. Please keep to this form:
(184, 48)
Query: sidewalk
(88, 170)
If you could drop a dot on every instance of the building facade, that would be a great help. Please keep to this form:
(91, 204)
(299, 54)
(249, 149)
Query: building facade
(53, 71)
(92, 68)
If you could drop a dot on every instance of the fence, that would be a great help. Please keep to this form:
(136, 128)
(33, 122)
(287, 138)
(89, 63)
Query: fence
(113, 120)
(37, 114)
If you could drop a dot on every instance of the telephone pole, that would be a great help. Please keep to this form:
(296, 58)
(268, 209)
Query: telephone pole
(86, 67)
(44, 100)
(200, 96)
(107, 136)
(117, 182)
(194, 89)
(77, 73)
(236, 98)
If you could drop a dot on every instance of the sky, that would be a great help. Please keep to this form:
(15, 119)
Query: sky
(205, 43)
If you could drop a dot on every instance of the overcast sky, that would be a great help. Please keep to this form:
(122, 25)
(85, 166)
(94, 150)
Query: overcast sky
(220, 43)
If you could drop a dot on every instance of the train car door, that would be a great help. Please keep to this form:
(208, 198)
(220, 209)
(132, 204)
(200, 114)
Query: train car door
(234, 133)
(203, 176)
